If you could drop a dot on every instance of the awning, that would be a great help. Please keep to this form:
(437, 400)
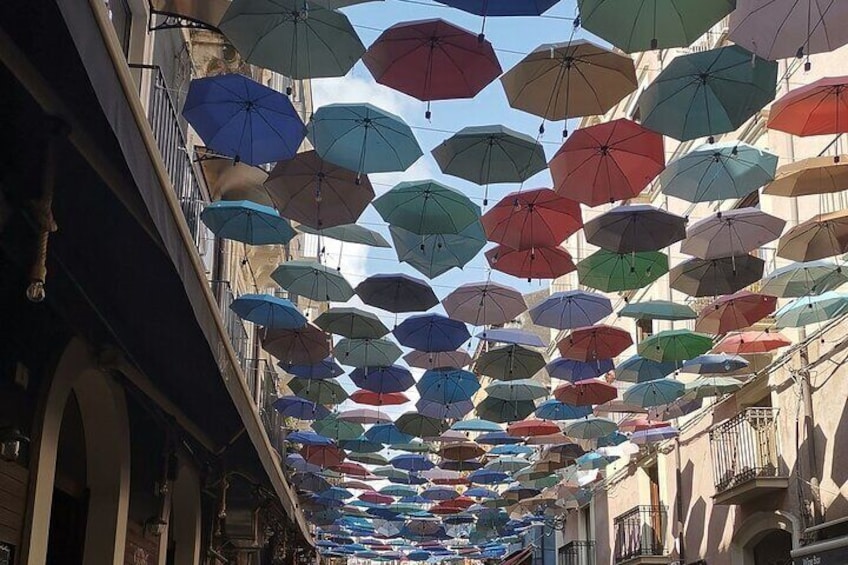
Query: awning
(519, 557)
(828, 552)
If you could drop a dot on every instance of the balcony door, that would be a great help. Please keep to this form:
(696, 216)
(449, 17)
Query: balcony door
(655, 514)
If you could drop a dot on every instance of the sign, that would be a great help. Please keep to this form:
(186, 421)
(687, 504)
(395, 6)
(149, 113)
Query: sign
(837, 556)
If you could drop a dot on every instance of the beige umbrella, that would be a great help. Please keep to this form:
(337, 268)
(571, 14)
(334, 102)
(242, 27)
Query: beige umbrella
(823, 235)
(818, 175)
(567, 80)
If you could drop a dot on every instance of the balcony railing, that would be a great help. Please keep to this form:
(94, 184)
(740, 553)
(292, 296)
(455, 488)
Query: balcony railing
(577, 553)
(745, 448)
(233, 324)
(640, 532)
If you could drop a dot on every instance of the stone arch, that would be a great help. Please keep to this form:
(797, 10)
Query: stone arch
(757, 526)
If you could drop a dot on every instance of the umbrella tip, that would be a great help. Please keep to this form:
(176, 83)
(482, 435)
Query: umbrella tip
(481, 37)
(654, 43)
(428, 114)
(288, 91)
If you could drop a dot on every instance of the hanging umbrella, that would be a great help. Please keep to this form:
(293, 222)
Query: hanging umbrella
(362, 353)
(306, 437)
(323, 455)
(571, 309)
(376, 498)
(397, 293)
(444, 411)
(700, 277)
(431, 332)
(607, 162)
(502, 411)
(734, 312)
(351, 322)
(432, 60)
(594, 460)
(654, 393)
(268, 311)
(512, 336)
(585, 393)
(476, 425)
(532, 218)
(713, 363)
(590, 428)
(240, 118)
(439, 493)
(336, 429)
(752, 342)
(301, 346)
(657, 310)
(496, 438)
(325, 391)
(382, 379)
(486, 303)
(502, 7)
(637, 369)
(818, 108)
(378, 398)
(324, 369)
(713, 386)
(538, 263)
(364, 416)
(509, 362)
(532, 428)
(247, 222)
(674, 345)
(734, 232)
(437, 360)
(419, 425)
(316, 193)
(435, 254)
(805, 177)
(635, 228)
(594, 343)
(349, 233)
(361, 444)
(313, 280)
(615, 272)
(655, 24)
(411, 462)
(646, 437)
(427, 207)
(553, 409)
(822, 236)
(447, 386)
(300, 408)
(462, 451)
(812, 310)
(516, 390)
(573, 371)
(387, 434)
(707, 93)
(557, 81)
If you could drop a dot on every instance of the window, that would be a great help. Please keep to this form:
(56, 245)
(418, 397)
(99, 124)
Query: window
(121, 16)
(644, 329)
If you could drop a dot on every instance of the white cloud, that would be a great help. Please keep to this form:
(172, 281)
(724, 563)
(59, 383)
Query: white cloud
(356, 89)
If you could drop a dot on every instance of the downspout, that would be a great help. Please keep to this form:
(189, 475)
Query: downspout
(681, 519)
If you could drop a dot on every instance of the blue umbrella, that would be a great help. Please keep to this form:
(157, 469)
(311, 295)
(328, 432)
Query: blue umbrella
(431, 333)
(571, 309)
(300, 408)
(435, 254)
(452, 411)
(240, 118)
(439, 493)
(615, 438)
(497, 438)
(363, 138)
(553, 409)
(480, 492)
(307, 437)
(447, 386)
(511, 450)
(335, 493)
(411, 462)
(710, 363)
(654, 393)
(502, 7)
(326, 369)
(268, 311)
(593, 460)
(247, 222)
(488, 477)
(573, 371)
(512, 336)
(299, 464)
(382, 379)
(638, 369)
(387, 434)
(476, 425)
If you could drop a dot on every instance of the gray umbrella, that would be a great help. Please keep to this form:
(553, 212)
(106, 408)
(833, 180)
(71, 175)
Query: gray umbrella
(634, 229)
(700, 277)
(734, 232)
(510, 362)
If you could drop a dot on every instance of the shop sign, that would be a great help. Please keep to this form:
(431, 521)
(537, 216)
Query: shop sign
(838, 556)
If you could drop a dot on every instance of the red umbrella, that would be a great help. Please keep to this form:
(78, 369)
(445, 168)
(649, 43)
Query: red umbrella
(359, 485)
(639, 423)
(553, 439)
(585, 393)
(537, 263)
(594, 342)
(533, 218)
(308, 345)
(529, 428)
(432, 60)
(819, 108)
(323, 455)
(459, 503)
(607, 162)
(734, 312)
(379, 399)
(349, 468)
(376, 498)
(752, 342)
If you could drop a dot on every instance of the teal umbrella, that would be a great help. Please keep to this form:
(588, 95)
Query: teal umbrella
(638, 369)
(590, 428)
(336, 429)
(674, 345)
(427, 207)
(247, 222)
(352, 323)
(804, 279)
(507, 464)
(367, 352)
(350, 233)
(812, 310)
(718, 171)
(476, 425)
(658, 310)
(436, 254)
(707, 93)
(615, 272)
(713, 386)
(510, 362)
(313, 280)
(654, 393)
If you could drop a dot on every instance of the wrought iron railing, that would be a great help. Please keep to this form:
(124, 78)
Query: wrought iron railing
(639, 532)
(745, 448)
(577, 553)
(233, 324)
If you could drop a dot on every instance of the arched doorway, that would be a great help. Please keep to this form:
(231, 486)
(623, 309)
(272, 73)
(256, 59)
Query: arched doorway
(773, 549)
(765, 538)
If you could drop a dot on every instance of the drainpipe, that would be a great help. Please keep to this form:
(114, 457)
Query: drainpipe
(681, 518)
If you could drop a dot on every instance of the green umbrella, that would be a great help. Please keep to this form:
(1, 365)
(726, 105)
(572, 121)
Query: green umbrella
(419, 425)
(713, 386)
(804, 279)
(502, 411)
(367, 352)
(654, 393)
(658, 310)
(510, 362)
(313, 280)
(541, 482)
(323, 391)
(350, 233)
(427, 207)
(521, 389)
(435, 254)
(352, 323)
(674, 345)
(615, 272)
(336, 429)
(414, 447)
(811, 310)
(393, 474)
(368, 458)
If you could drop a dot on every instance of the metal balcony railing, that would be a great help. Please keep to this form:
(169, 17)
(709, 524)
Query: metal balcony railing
(233, 324)
(745, 448)
(577, 553)
(640, 532)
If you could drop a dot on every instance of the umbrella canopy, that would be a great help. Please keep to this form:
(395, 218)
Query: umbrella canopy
(655, 24)
(387, 434)
(367, 353)
(553, 409)
(585, 393)
(538, 263)
(361, 444)
(427, 207)
(502, 411)
(607, 162)
(658, 310)
(654, 393)
(268, 311)
(615, 272)
(300, 408)
(247, 222)
(718, 171)
(571, 309)
(411, 462)
(713, 386)
(700, 277)
(644, 437)
(707, 93)
(752, 342)
(557, 81)
(349, 233)
(435, 254)
(316, 193)
(532, 428)
(447, 386)
(811, 310)
(502, 7)
(822, 236)
(397, 293)
(674, 345)
(573, 371)
(533, 218)
(419, 425)
(634, 229)
(818, 108)
(714, 363)
(300, 346)
(593, 343)
(378, 398)
(240, 118)
(520, 389)
(336, 429)
(462, 451)
(816, 175)
(590, 428)
(476, 425)
(638, 369)
(313, 280)
(382, 380)
(734, 232)
(325, 369)
(324, 456)
(444, 411)
(364, 416)
(431, 332)
(325, 391)
(307, 437)
(510, 362)
(512, 336)
(363, 138)
(486, 303)
(351, 322)
(735, 312)
(437, 360)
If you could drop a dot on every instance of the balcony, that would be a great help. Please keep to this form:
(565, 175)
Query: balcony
(233, 324)
(577, 553)
(746, 457)
(640, 536)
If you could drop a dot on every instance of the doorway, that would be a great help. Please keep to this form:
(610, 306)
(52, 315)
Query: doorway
(774, 549)
(656, 514)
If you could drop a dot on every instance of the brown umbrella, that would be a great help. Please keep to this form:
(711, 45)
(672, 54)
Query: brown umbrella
(568, 80)
(818, 175)
(303, 346)
(823, 235)
(461, 451)
(317, 193)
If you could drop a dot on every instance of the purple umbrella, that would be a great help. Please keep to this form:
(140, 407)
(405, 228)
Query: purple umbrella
(411, 462)
(654, 435)
(573, 371)
(300, 408)
(382, 379)
(451, 411)
(431, 332)
(326, 369)
(571, 309)
(484, 303)
(731, 233)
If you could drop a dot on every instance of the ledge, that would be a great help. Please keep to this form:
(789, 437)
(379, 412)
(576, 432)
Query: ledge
(750, 490)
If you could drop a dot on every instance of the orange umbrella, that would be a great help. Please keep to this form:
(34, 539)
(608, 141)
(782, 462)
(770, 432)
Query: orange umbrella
(819, 108)
(349, 468)
(734, 312)
(379, 399)
(752, 342)
(323, 455)
(527, 428)
(595, 342)
(585, 393)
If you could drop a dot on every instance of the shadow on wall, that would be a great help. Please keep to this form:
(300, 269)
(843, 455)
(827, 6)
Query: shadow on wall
(838, 471)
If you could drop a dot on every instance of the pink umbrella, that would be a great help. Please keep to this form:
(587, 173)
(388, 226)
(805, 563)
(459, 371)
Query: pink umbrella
(752, 342)
(376, 498)
(734, 312)
(528, 428)
(731, 233)
(485, 303)
(364, 416)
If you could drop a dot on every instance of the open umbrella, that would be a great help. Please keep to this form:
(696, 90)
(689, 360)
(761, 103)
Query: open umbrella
(536, 263)
(300, 346)
(462, 451)
(441, 411)
(714, 363)
(658, 310)
(712, 386)
(324, 456)
(707, 93)
(351, 322)
(447, 386)
(571, 309)
(512, 336)
(432, 60)
(436, 360)
(590, 428)
(240, 118)
(387, 434)
(411, 462)
(336, 429)
(419, 425)
(805, 177)
(361, 444)
(476, 425)
(427, 207)
(607, 162)
(532, 428)
(734, 232)
(615, 272)
(382, 380)
(509, 362)
(553, 409)
(573, 371)
(349, 233)
(674, 345)
(822, 236)
(818, 108)
(700, 277)
(364, 416)
(313, 280)
(378, 398)
(435, 254)
(654, 393)
(268, 311)
(363, 353)
(431, 332)
(300, 408)
(637, 369)
(533, 218)
(488, 8)
(520, 389)
(585, 393)
(734, 312)
(752, 342)
(324, 391)
(635, 228)
(397, 293)
(594, 343)
(502, 411)
(486, 303)
(812, 310)
(247, 222)
(324, 369)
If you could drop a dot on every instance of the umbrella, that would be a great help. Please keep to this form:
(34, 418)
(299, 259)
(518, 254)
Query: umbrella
(435, 254)
(480, 492)
(361, 444)
(594, 343)
(437, 360)
(585, 393)
(812, 310)
(363, 138)
(674, 345)
(805, 177)
(300, 408)
(316, 193)
(509, 362)
(476, 425)
(447, 386)
(432, 60)
(496, 438)
(326, 391)
(553, 409)
(502, 411)
(637, 369)
(507, 464)
(590, 428)
(427, 207)
(512, 336)
(323, 455)
(634, 229)
(713, 386)
(700, 277)
(376, 498)
(822, 236)
(378, 398)
(532, 428)
(351, 322)
(444, 411)
(240, 118)
(734, 232)
(288, 38)
(654, 393)
(615, 272)
(594, 460)
(268, 311)
(411, 462)
(307, 437)
(502, 7)
(658, 310)
(571, 309)
(362, 353)
(813, 109)
(313, 280)
(397, 293)
(336, 429)
(247, 222)
(431, 332)
(532, 218)
(382, 379)
(607, 162)
(364, 416)
(557, 81)
(387, 434)
(538, 263)
(439, 493)
(707, 93)
(734, 312)
(712, 363)
(655, 24)
(325, 369)
(645, 437)
(520, 389)
(752, 342)
(349, 233)
(573, 371)
(718, 171)
(301, 346)
(419, 425)
(486, 303)
(462, 451)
